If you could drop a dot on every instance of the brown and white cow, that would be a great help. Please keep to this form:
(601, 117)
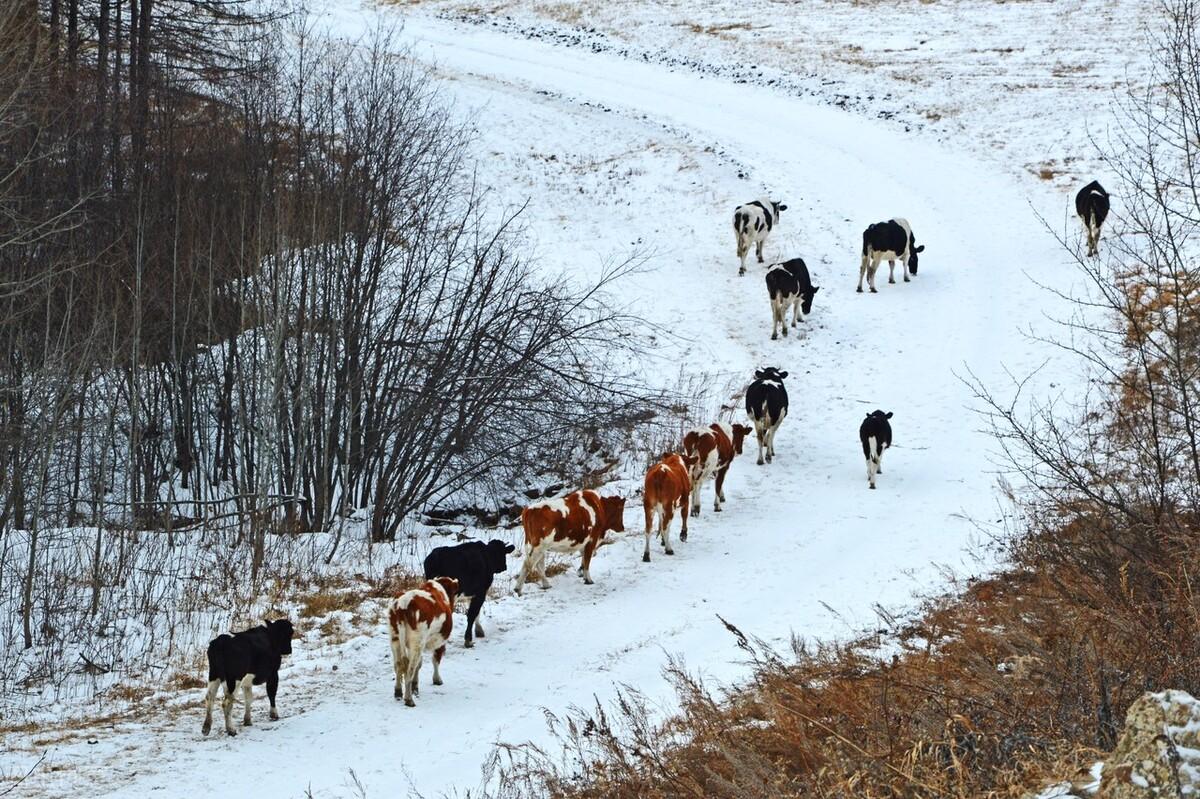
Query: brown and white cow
(419, 620)
(575, 522)
(715, 448)
(667, 484)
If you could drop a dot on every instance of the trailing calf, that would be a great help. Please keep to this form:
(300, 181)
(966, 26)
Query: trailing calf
(251, 657)
(876, 435)
(1091, 203)
(473, 565)
(419, 620)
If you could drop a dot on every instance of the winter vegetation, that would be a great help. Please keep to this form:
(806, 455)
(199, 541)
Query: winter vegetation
(291, 296)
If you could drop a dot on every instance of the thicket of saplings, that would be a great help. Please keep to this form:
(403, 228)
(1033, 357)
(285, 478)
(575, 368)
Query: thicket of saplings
(1025, 677)
(249, 293)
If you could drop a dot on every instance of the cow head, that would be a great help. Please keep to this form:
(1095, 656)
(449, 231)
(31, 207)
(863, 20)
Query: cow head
(740, 431)
(450, 585)
(912, 256)
(497, 555)
(614, 512)
(280, 632)
(806, 300)
(878, 414)
(769, 373)
(778, 207)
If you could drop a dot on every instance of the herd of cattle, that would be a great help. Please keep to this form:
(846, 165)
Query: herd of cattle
(421, 620)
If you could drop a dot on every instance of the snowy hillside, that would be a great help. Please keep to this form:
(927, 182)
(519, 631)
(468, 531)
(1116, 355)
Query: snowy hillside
(621, 155)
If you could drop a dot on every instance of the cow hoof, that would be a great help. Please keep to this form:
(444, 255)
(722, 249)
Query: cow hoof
(892, 280)
(859, 290)
(398, 693)
(872, 486)
(437, 680)
(760, 461)
(670, 552)
(274, 714)
(588, 581)
(231, 732)
(206, 729)
(717, 509)
(682, 537)
(906, 280)
(774, 336)
(695, 512)
(873, 291)
(469, 644)
(409, 703)
(645, 557)
(785, 332)
(246, 723)
(742, 271)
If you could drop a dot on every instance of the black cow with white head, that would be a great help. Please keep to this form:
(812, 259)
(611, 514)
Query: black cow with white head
(788, 283)
(876, 435)
(473, 564)
(892, 241)
(767, 405)
(752, 224)
(1091, 203)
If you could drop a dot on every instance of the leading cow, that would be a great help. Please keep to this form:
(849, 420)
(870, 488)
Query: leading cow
(892, 241)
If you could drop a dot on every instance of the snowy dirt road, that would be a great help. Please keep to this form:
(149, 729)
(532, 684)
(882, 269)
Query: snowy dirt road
(798, 537)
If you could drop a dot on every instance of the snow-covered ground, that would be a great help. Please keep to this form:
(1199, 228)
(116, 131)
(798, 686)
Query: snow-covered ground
(621, 154)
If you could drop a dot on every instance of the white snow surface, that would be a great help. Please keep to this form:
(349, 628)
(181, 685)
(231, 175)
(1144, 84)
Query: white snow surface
(617, 155)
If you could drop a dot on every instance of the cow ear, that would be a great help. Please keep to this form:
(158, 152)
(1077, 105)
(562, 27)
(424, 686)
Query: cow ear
(509, 548)
(782, 207)
(758, 374)
(782, 375)
(920, 249)
(816, 289)
(888, 415)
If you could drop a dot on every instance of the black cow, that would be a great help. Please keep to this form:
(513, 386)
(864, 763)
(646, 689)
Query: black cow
(473, 564)
(891, 240)
(788, 283)
(752, 224)
(767, 405)
(251, 657)
(1091, 203)
(876, 435)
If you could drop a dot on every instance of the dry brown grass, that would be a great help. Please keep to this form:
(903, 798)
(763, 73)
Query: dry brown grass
(1013, 682)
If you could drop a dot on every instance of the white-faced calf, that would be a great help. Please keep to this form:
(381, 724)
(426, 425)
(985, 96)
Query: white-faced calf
(251, 657)
(876, 435)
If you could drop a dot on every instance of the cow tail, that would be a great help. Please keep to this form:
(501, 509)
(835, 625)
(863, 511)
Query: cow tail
(218, 657)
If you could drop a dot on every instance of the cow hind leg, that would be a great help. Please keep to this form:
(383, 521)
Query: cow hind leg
(667, 513)
(795, 311)
(523, 574)
(871, 270)
(649, 528)
(684, 501)
(473, 624)
(247, 695)
(400, 666)
(862, 271)
(437, 662)
(695, 502)
(209, 698)
(743, 249)
(758, 250)
(719, 488)
(775, 320)
(544, 581)
(586, 568)
(758, 433)
(272, 689)
(227, 705)
(892, 270)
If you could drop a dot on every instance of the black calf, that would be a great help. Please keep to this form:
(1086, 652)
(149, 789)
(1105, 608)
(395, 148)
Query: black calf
(788, 283)
(876, 435)
(251, 657)
(767, 405)
(473, 564)
(1091, 203)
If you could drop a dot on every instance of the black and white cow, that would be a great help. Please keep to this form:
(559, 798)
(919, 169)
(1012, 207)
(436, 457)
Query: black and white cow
(876, 435)
(251, 657)
(891, 241)
(1091, 203)
(788, 283)
(767, 405)
(752, 224)
(473, 564)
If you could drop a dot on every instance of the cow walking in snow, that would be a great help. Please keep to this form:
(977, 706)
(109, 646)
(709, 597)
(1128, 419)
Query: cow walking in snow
(891, 241)
(420, 620)
(668, 485)
(251, 657)
(575, 523)
(714, 448)
(1091, 203)
(788, 284)
(752, 224)
(876, 435)
(767, 405)
(473, 565)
